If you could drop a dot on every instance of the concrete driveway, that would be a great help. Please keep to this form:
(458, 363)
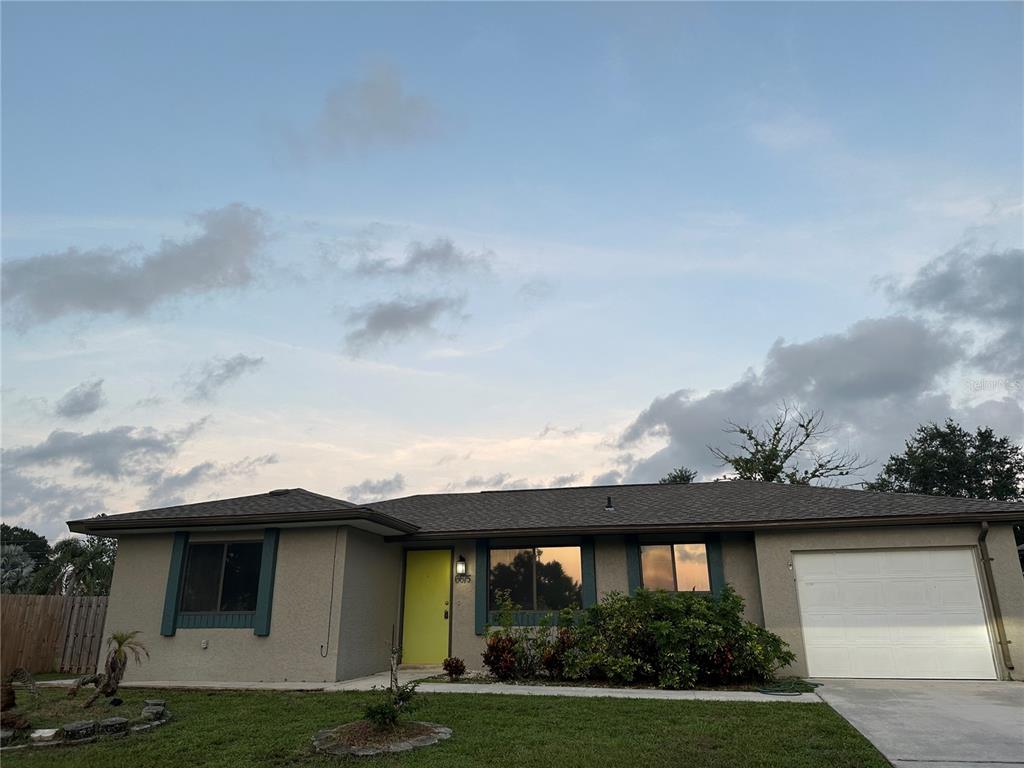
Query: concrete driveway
(935, 723)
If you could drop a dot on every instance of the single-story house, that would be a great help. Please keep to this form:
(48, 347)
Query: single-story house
(292, 585)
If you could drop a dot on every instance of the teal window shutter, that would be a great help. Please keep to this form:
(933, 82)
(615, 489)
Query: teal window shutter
(265, 590)
(633, 563)
(589, 574)
(170, 618)
(480, 615)
(716, 568)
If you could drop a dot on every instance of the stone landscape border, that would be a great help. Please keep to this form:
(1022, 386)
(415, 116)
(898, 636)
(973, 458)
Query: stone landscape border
(154, 714)
(322, 742)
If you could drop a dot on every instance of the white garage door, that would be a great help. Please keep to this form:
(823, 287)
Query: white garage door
(913, 613)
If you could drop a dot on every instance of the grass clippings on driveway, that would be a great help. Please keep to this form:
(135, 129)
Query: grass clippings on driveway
(271, 728)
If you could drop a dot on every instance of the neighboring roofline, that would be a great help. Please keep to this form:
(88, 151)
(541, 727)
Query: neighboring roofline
(833, 522)
(101, 525)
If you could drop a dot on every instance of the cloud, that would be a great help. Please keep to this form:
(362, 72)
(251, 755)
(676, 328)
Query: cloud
(167, 488)
(440, 257)
(113, 454)
(376, 111)
(103, 281)
(374, 490)
(790, 132)
(551, 429)
(397, 319)
(213, 375)
(876, 382)
(82, 400)
(44, 505)
(986, 289)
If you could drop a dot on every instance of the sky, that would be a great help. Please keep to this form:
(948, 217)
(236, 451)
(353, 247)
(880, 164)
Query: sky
(381, 249)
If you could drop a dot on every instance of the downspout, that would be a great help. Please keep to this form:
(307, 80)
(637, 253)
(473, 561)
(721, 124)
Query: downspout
(990, 583)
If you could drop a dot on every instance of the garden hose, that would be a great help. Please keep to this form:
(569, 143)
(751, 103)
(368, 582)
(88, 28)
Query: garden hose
(789, 687)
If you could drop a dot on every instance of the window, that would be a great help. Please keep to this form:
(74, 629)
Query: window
(537, 578)
(675, 567)
(221, 578)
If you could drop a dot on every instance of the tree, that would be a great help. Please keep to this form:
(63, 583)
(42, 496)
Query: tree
(120, 644)
(79, 567)
(772, 452)
(35, 545)
(948, 460)
(679, 476)
(16, 566)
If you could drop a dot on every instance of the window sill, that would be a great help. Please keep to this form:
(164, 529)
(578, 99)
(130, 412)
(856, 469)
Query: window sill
(216, 620)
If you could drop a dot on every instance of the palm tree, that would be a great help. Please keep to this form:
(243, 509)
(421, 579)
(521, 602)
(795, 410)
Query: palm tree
(120, 645)
(80, 567)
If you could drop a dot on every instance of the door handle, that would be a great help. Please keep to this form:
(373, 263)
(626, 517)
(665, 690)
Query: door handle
(446, 615)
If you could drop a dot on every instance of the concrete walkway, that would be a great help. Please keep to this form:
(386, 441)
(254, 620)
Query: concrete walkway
(406, 675)
(935, 723)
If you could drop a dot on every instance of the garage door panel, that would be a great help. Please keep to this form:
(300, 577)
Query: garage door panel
(907, 594)
(956, 593)
(860, 595)
(893, 613)
(861, 564)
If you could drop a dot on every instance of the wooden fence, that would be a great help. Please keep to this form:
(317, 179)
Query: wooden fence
(51, 633)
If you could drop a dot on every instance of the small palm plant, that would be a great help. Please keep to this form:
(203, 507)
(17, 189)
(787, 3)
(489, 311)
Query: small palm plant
(120, 645)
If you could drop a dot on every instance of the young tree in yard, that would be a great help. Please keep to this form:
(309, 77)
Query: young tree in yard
(120, 644)
(679, 476)
(16, 568)
(784, 450)
(948, 460)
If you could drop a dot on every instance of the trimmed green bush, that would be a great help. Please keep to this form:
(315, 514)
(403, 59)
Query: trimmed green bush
(667, 639)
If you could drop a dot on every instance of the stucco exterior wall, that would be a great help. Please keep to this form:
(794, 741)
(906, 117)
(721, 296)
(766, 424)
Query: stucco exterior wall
(610, 565)
(371, 587)
(739, 563)
(778, 584)
(466, 644)
(299, 624)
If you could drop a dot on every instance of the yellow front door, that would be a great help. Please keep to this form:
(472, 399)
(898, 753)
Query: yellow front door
(425, 615)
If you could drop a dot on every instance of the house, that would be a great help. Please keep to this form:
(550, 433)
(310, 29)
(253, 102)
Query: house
(292, 585)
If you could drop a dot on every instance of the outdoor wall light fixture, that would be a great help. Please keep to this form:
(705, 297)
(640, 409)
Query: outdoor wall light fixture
(461, 571)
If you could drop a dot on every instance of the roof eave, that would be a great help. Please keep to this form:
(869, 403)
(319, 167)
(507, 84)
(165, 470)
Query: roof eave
(748, 525)
(108, 525)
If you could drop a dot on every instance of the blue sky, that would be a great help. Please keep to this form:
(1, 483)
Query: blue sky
(617, 208)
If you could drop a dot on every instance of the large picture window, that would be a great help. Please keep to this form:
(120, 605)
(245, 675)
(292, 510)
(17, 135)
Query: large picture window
(537, 578)
(675, 567)
(221, 578)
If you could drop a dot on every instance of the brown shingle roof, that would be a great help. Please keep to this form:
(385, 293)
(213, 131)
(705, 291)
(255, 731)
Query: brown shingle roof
(284, 505)
(722, 505)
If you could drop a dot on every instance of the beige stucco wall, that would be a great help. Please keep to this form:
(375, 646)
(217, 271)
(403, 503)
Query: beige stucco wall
(739, 564)
(302, 620)
(778, 584)
(369, 604)
(610, 565)
(466, 644)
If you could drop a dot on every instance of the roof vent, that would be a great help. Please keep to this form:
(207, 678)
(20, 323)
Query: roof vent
(608, 507)
(280, 492)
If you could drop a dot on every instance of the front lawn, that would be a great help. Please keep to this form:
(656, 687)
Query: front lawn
(241, 728)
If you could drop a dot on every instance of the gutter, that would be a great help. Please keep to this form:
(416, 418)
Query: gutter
(990, 583)
(708, 527)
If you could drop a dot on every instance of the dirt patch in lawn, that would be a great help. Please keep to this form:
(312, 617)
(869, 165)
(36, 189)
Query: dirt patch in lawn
(363, 739)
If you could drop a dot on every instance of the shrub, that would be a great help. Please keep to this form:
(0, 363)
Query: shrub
(671, 640)
(393, 703)
(454, 666)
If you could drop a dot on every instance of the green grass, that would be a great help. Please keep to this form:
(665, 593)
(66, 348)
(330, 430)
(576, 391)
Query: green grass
(234, 728)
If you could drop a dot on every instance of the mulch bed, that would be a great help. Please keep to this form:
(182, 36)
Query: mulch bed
(364, 734)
